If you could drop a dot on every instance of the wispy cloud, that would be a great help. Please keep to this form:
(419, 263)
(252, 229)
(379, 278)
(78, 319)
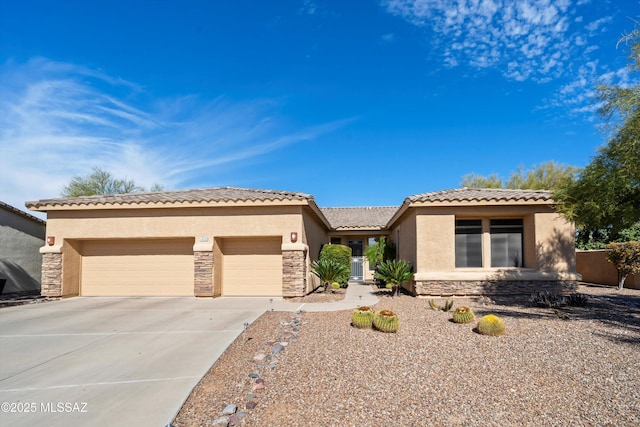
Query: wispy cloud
(524, 39)
(58, 120)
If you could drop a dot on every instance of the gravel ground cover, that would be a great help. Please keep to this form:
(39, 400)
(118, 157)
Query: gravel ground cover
(576, 367)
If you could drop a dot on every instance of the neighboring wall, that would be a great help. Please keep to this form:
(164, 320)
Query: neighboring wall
(21, 237)
(595, 268)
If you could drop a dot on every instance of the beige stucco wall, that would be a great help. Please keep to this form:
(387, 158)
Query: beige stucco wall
(548, 242)
(177, 222)
(403, 234)
(594, 268)
(315, 235)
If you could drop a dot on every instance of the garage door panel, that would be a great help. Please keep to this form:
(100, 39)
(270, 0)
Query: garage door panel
(252, 267)
(138, 268)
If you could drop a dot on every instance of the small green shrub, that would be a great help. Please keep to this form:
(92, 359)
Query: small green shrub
(386, 321)
(362, 317)
(463, 315)
(340, 254)
(491, 325)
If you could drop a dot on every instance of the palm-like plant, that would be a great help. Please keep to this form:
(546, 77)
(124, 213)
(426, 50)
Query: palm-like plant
(394, 272)
(328, 271)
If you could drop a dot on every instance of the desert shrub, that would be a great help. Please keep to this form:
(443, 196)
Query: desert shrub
(577, 300)
(386, 321)
(625, 257)
(463, 315)
(362, 317)
(547, 299)
(340, 254)
(491, 325)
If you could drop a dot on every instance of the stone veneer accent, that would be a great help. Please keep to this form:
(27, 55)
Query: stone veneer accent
(203, 273)
(490, 287)
(51, 275)
(294, 273)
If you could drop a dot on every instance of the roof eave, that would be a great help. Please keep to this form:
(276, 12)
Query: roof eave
(45, 206)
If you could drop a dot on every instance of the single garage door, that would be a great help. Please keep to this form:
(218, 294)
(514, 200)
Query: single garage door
(252, 266)
(150, 267)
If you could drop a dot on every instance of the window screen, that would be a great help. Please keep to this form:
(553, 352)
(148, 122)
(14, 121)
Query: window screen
(468, 243)
(506, 242)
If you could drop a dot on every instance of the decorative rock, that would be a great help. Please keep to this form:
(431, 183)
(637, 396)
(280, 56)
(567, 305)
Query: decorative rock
(284, 343)
(260, 356)
(277, 348)
(287, 336)
(229, 409)
(240, 415)
(259, 381)
(233, 420)
(221, 422)
(251, 405)
(249, 397)
(254, 376)
(257, 387)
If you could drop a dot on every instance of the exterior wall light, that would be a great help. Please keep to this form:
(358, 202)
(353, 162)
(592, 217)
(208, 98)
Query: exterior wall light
(294, 236)
(51, 240)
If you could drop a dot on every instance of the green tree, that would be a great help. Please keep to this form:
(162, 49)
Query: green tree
(604, 198)
(101, 182)
(329, 271)
(394, 273)
(546, 176)
(626, 258)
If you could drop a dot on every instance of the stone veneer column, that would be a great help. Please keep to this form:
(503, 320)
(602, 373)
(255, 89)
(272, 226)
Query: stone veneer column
(294, 270)
(51, 283)
(203, 269)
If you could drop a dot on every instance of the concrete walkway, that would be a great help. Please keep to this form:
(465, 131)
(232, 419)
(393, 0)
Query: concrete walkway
(358, 294)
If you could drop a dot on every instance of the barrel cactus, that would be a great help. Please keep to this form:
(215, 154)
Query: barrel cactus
(491, 325)
(386, 321)
(362, 317)
(463, 315)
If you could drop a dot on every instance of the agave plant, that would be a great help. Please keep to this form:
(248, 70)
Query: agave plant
(328, 271)
(394, 272)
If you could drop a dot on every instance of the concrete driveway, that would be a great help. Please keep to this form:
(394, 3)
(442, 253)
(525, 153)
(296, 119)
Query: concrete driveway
(111, 361)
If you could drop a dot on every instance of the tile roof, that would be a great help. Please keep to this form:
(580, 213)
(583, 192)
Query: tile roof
(218, 194)
(359, 217)
(21, 213)
(481, 194)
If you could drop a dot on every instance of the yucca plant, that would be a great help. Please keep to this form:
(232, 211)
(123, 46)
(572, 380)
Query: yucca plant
(394, 273)
(328, 271)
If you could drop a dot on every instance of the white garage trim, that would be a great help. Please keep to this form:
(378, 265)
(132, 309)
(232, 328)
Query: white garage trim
(137, 267)
(252, 266)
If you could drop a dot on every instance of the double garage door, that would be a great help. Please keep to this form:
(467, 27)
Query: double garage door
(164, 267)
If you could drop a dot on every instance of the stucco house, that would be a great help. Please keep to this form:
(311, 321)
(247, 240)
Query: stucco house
(247, 242)
(21, 237)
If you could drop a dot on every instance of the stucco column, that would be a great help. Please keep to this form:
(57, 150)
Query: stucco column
(51, 271)
(203, 269)
(294, 269)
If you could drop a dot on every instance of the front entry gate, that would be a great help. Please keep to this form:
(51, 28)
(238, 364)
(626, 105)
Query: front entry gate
(357, 259)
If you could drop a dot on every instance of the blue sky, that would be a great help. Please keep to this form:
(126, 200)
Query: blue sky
(356, 102)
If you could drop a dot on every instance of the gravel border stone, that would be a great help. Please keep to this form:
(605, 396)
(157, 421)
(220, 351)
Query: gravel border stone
(578, 369)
